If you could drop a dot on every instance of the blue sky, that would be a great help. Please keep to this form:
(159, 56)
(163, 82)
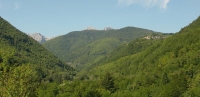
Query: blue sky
(58, 17)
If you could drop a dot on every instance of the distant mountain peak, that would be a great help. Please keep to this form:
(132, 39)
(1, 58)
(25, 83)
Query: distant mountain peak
(108, 28)
(38, 37)
(90, 28)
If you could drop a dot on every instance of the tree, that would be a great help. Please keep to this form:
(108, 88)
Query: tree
(108, 82)
(17, 80)
(165, 79)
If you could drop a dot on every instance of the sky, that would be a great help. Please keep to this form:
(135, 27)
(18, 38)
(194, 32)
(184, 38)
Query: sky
(59, 17)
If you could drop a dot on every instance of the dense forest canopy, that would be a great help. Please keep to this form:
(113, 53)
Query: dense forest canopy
(83, 48)
(18, 49)
(167, 68)
(164, 67)
(148, 65)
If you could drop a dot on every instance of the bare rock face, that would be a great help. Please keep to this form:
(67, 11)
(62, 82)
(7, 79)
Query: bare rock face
(38, 37)
(90, 28)
(108, 28)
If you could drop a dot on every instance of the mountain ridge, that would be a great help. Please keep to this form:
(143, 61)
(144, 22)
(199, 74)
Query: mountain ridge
(166, 68)
(82, 47)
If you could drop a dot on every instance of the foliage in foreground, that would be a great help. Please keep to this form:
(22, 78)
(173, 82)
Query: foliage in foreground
(17, 80)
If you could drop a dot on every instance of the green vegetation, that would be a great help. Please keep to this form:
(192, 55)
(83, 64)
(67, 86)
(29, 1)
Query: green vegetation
(144, 67)
(167, 67)
(16, 80)
(25, 50)
(83, 48)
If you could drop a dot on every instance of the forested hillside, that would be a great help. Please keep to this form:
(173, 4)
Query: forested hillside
(81, 48)
(168, 67)
(153, 65)
(21, 56)
(132, 47)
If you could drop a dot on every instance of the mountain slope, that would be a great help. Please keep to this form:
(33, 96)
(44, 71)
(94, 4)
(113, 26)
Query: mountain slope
(26, 50)
(83, 48)
(168, 68)
(133, 47)
(145, 67)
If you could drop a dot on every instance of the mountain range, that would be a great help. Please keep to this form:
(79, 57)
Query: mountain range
(150, 65)
(127, 62)
(81, 48)
(41, 39)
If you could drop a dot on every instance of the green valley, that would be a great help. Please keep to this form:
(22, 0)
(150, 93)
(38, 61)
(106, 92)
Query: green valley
(163, 67)
(84, 48)
(127, 62)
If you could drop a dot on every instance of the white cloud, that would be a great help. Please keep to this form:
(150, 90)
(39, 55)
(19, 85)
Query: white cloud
(147, 3)
(17, 5)
(164, 4)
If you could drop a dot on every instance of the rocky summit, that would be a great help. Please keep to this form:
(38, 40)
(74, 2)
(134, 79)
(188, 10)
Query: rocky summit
(38, 37)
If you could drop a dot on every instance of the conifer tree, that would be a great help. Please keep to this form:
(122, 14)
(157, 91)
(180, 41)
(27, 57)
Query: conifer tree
(108, 82)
